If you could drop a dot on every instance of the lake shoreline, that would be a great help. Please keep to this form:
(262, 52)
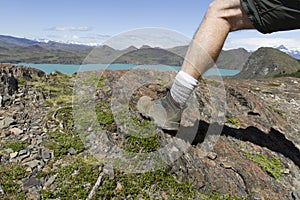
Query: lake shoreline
(71, 69)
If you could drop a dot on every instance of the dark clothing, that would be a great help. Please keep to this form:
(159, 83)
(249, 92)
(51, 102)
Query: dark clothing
(269, 16)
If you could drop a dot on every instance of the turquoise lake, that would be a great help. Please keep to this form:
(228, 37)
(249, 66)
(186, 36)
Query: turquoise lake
(71, 69)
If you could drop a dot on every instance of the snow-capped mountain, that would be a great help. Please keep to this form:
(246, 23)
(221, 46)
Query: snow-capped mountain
(293, 53)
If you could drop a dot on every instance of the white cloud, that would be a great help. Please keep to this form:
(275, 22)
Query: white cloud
(70, 28)
(78, 38)
(154, 37)
(254, 43)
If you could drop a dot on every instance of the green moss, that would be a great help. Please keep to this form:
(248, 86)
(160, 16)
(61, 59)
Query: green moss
(49, 102)
(53, 86)
(21, 81)
(135, 127)
(9, 176)
(233, 120)
(149, 185)
(61, 142)
(63, 99)
(15, 145)
(141, 145)
(74, 179)
(279, 112)
(212, 83)
(100, 82)
(273, 84)
(104, 114)
(161, 81)
(271, 166)
(65, 115)
(92, 78)
(295, 74)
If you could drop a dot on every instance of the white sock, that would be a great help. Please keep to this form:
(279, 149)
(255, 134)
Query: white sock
(182, 87)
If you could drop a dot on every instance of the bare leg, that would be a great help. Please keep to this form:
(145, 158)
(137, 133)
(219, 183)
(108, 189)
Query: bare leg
(221, 18)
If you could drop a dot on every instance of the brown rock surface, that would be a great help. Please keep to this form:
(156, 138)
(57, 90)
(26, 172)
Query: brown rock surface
(267, 111)
(265, 127)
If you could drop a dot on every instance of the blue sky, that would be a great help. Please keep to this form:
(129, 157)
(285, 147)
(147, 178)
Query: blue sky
(94, 21)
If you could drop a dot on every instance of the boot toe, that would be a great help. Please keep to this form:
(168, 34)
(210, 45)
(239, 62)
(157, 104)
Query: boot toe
(144, 105)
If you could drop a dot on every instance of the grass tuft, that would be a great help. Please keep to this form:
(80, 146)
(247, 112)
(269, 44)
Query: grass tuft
(271, 166)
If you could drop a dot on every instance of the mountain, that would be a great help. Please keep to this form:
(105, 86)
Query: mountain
(51, 45)
(228, 59)
(233, 59)
(150, 56)
(293, 53)
(268, 62)
(38, 54)
(9, 41)
(13, 42)
(16, 50)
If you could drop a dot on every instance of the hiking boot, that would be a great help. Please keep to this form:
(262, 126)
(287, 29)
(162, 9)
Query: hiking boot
(165, 112)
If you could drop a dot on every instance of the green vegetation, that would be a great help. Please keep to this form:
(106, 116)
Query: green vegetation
(74, 178)
(279, 112)
(21, 81)
(152, 185)
(38, 54)
(15, 145)
(103, 113)
(57, 87)
(134, 126)
(271, 166)
(65, 115)
(234, 121)
(295, 74)
(141, 145)
(149, 185)
(273, 84)
(10, 174)
(212, 83)
(75, 175)
(61, 142)
(269, 62)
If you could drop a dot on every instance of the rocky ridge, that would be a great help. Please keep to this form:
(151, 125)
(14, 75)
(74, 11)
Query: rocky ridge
(36, 124)
(268, 62)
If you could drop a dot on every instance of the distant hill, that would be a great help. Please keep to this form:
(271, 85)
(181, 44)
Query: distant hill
(228, 59)
(148, 56)
(20, 50)
(13, 42)
(233, 59)
(37, 54)
(268, 62)
(9, 41)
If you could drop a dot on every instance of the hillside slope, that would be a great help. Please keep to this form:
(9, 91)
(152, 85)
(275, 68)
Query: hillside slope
(268, 62)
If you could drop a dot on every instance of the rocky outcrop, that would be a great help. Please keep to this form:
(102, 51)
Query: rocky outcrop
(9, 76)
(261, 122)
(267, 113)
